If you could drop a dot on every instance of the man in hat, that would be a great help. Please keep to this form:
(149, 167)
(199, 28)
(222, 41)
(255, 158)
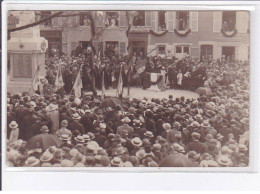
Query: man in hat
(27, 123)
(196, 145)
(75, 124)
(87, 121)
(63, 129)
(125, 127)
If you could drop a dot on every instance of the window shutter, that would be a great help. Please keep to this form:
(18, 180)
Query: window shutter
(242, 21)
(154, 21)
(148, 18)
(151, 50)
(122, 19)
(194, 21)
(170, 20)
(100, 20)
(55, 21)
(122, 48)
(217, 21)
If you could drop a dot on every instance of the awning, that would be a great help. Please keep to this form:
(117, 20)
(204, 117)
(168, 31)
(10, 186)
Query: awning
(114, 34)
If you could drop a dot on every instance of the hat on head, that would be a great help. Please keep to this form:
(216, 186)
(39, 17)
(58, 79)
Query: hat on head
(65, 137)
(137, 142)
(79, 139)
(64, 123)
(242, 147)
(76, 116)
(67, 163)
(46, 156)
(128, 164)
(219, 136)
(86, 137)
(44, 129)
(102, 125)
(92, 145)
(195, 135)
(166, 126)
(208, 137)
(105, 161)
(100, 118)
(32, 161)
(13, 125)
(148, 134)
(126, 120)
(117, 162)
(91, 135)
(157, 147)
(224, 161)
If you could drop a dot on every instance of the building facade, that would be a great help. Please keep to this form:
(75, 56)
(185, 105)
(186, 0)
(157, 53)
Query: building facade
(153, 33)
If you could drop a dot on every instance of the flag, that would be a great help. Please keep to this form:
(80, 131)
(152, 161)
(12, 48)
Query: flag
(59, 80)
(140, 66)
(120, 84)
(35, 81)
(78, 85)
(103, 87)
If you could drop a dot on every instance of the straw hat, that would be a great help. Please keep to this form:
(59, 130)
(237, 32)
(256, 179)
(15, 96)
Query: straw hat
(32, 161)
(13, 125)
(117, 162)
(79, 139)
(166, 126)
(46, 156)
(137, 142)
(148, 134)
(44, 129)
(224, 161)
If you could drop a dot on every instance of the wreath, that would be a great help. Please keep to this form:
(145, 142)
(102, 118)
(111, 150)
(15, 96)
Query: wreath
(229, 34)
(182, 34)
(158, 34)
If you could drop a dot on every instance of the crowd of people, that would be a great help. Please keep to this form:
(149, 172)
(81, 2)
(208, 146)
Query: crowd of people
(186, 74)
(211, 131)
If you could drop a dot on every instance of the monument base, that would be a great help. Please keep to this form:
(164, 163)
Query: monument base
(14, 87)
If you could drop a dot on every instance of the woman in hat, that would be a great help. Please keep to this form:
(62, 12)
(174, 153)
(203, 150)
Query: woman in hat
(53, 114)
(14, 133)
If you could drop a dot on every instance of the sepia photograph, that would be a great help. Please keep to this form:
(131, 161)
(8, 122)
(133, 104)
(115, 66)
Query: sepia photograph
(127, 88)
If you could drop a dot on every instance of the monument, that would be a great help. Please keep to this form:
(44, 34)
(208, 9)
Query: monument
(27, 52)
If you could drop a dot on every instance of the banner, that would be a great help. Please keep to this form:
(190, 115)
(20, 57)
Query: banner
(78, 85)
(140, 66)
(59, 80)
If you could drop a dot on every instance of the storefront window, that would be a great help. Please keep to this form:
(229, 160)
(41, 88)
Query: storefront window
(112, 18)
(229, 20)
(161, 20)
(178, 49)
(186, 49)
(182, 20)
(161, 50)
(111, 48)
(139, 20)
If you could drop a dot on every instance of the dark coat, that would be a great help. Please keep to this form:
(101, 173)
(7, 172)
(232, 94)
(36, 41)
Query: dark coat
(197, 147)
(74, 125)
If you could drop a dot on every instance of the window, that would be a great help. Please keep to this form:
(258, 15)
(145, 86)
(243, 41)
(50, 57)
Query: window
(83, 20)
(229, 20)
(161, 20)
(161, 50)
(186, 49)
(112, 18)
(139, 19)
(45, 14)
(111, 49)
(178, 49)
(182, 20)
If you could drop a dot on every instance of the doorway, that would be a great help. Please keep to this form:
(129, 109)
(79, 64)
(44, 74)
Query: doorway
(138, 48)
(206, 51)
(228, 51)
